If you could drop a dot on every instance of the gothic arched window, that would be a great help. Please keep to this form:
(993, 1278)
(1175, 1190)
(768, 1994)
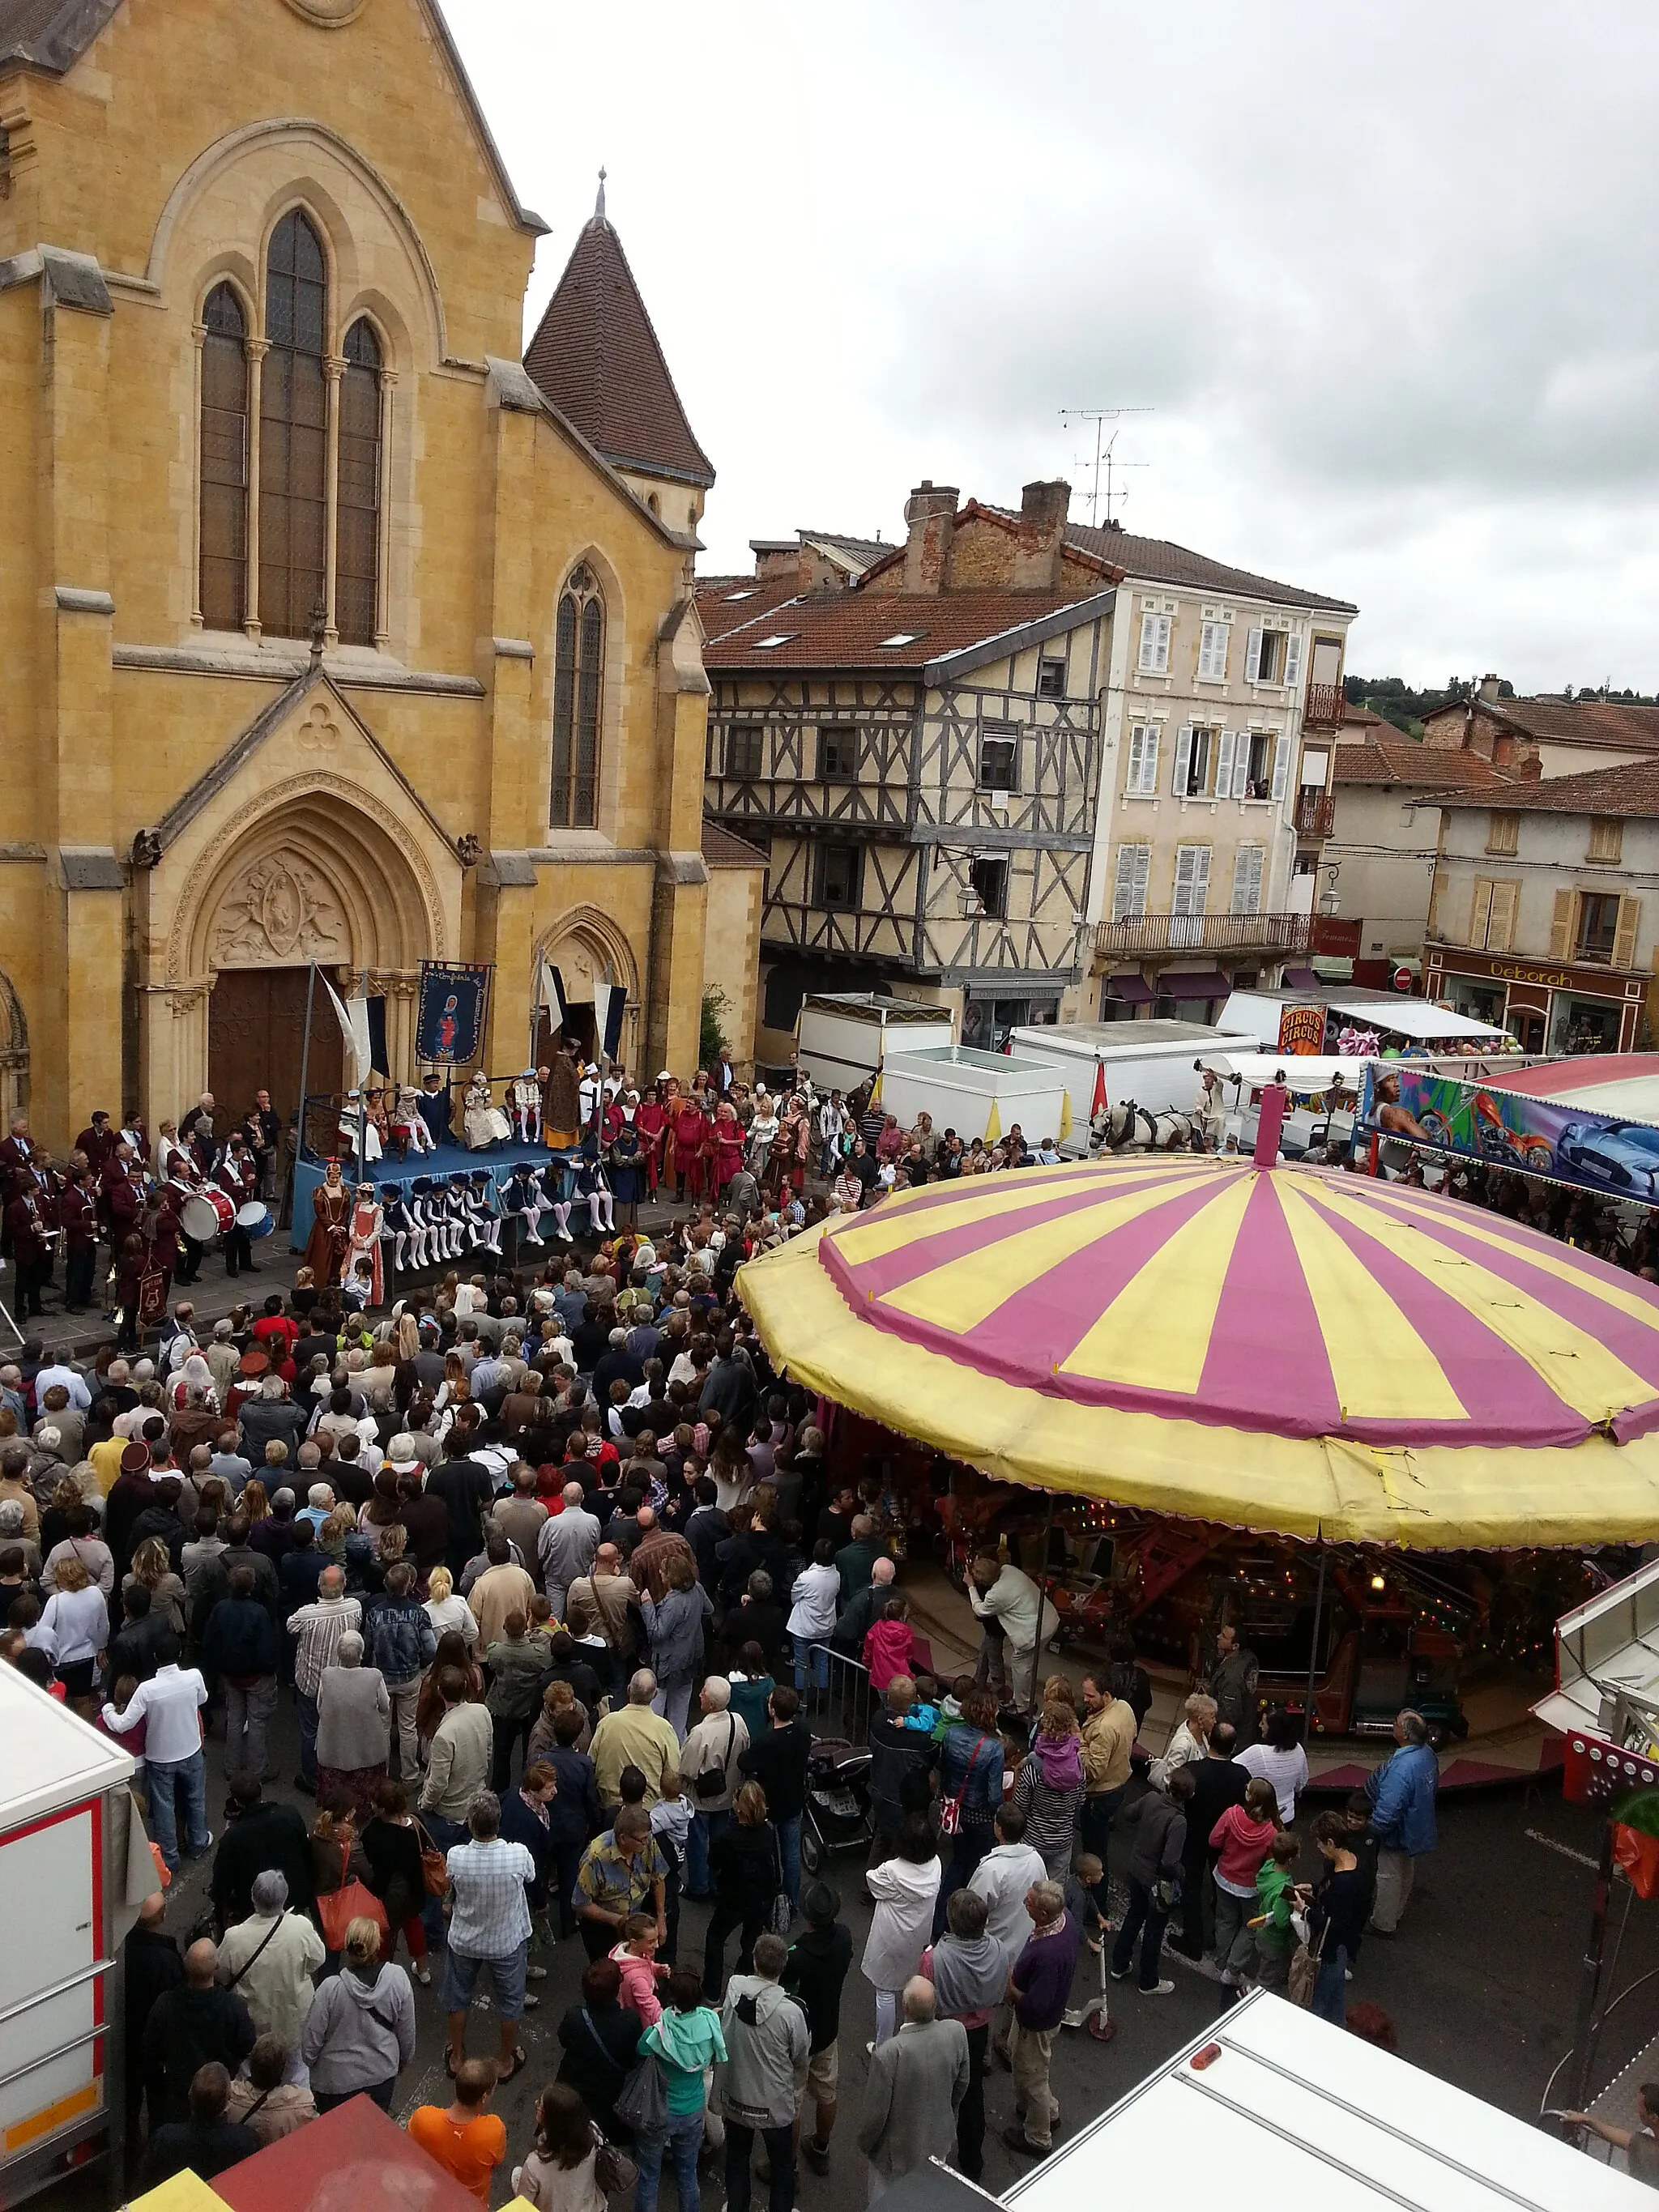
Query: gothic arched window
(357, 536)
(222, 581)
(578, 691)
(293, 432)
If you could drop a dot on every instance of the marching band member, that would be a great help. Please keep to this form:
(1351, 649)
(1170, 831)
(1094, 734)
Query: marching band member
(29, 1232)
(239, 1178)
(78, 1216)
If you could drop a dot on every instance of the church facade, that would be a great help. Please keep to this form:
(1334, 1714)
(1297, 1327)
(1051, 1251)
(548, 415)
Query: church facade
(337, 627)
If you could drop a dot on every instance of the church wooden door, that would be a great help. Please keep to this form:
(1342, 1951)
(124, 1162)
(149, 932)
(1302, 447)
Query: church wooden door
(256, 1034)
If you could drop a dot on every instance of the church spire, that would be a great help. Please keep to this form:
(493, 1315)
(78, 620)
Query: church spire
(598, 204)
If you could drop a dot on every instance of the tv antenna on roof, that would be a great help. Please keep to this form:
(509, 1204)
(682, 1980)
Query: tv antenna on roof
(1105, 459)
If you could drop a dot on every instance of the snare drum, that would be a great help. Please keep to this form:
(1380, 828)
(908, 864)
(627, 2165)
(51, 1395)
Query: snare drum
(206, 1214)
(255, 1219)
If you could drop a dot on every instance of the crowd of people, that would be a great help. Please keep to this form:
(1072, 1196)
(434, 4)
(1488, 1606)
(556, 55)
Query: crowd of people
(543, 1562)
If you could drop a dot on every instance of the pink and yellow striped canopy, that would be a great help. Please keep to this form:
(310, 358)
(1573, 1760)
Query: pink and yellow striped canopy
(1274, 1348)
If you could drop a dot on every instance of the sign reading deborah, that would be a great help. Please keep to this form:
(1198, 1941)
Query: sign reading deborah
(449, 1022)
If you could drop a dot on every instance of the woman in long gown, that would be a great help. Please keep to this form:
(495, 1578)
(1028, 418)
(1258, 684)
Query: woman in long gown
(363, 1241)
(331, 1202)
(483, 1122)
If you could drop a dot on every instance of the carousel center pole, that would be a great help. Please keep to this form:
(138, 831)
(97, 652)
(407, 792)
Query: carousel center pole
(1312, 1648)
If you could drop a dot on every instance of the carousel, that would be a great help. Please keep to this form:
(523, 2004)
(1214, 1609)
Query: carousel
(1389, 1436)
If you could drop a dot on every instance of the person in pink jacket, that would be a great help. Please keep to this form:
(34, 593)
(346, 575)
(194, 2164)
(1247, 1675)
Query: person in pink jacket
(1242, 1837)
(635, 1958)
(890, 1647)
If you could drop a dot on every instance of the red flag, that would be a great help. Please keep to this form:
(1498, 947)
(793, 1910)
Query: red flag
(1638, 1855)
(1098, 1104)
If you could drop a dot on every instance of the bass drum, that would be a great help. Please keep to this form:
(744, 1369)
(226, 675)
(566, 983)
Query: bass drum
(255, 1219)
(206, 1214)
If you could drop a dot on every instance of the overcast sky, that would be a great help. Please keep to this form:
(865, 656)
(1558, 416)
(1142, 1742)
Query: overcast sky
(1386, 277)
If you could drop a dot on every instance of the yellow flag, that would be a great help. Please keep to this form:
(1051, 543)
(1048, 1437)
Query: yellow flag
(875, 1089)
(993, 1127)
(1065, 1116)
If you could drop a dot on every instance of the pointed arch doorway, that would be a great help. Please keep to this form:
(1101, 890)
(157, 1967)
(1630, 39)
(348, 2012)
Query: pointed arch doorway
(586, 948)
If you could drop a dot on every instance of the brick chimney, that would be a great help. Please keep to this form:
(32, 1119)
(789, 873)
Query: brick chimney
(930, 515)
(1041, 542)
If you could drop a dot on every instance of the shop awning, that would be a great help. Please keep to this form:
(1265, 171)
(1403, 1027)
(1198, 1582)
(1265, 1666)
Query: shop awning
(1131, 989)
(1304, 979)
(1195, 983)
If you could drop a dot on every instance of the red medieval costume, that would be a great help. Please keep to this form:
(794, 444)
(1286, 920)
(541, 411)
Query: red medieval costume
(651, 1122)
(326, 1246)
(686, 1140)
(728, 1147)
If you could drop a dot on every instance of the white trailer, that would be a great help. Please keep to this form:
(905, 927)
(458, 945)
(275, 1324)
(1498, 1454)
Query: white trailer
(66, 1829)
(1149, 1064)
(977, 1094)
(1299, 2113)
(844, 1036)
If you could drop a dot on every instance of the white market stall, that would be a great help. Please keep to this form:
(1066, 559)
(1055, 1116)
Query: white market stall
(844, 1036)
(67, 1832)
(1285, 1017)
(977, 1094)
(1313, 2116)
(1152, 1065)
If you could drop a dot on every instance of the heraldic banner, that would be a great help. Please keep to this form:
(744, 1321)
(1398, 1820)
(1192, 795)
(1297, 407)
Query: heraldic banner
(449, 1024)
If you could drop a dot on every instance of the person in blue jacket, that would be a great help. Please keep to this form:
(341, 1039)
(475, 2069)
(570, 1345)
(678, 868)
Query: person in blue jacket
(1402, 1794)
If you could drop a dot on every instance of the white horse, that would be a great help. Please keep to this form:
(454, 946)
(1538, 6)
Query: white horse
(1127, 1127)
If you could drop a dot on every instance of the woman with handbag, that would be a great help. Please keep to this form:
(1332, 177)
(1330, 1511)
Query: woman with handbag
(747, 1868)
(600, 2039)
(562, 2172)
(393, 1843)
(338, 1861)
(684, 2042)
(970, 1766)
(360, 2033)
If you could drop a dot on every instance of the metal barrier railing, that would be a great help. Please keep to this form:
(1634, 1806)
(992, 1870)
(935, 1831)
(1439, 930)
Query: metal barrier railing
(837, 1695)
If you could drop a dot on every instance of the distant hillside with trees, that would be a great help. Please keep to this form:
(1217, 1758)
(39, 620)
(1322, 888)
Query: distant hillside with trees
(1396, 701)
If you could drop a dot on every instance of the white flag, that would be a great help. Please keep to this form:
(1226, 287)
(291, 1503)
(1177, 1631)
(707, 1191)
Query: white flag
(354, 1028)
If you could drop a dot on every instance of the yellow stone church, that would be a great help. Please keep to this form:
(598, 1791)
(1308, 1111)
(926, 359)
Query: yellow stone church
(336, 625)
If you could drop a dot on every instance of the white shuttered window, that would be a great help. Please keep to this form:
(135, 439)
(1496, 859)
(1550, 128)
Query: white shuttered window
(1246, 879)
(1155, 644)
(1140, 779)
(1129, 881)
(1192, 890)
(1281, 768)
(1213, 650)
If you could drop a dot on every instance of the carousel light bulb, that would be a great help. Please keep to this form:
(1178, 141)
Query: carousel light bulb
(1378, 1582)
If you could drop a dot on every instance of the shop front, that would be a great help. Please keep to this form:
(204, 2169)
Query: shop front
(1573, 1008)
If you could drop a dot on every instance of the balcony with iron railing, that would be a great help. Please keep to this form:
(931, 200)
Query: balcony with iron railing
(1324, 707)
(1315, 813)
(1137, 935)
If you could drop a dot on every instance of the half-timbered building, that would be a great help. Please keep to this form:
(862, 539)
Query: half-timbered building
(921, 763)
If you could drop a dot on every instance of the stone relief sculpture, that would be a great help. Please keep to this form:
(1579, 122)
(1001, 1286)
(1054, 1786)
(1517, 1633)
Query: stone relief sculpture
(279, 909)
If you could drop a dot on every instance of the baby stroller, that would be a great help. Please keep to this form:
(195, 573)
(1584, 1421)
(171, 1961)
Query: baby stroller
(839, 1815)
